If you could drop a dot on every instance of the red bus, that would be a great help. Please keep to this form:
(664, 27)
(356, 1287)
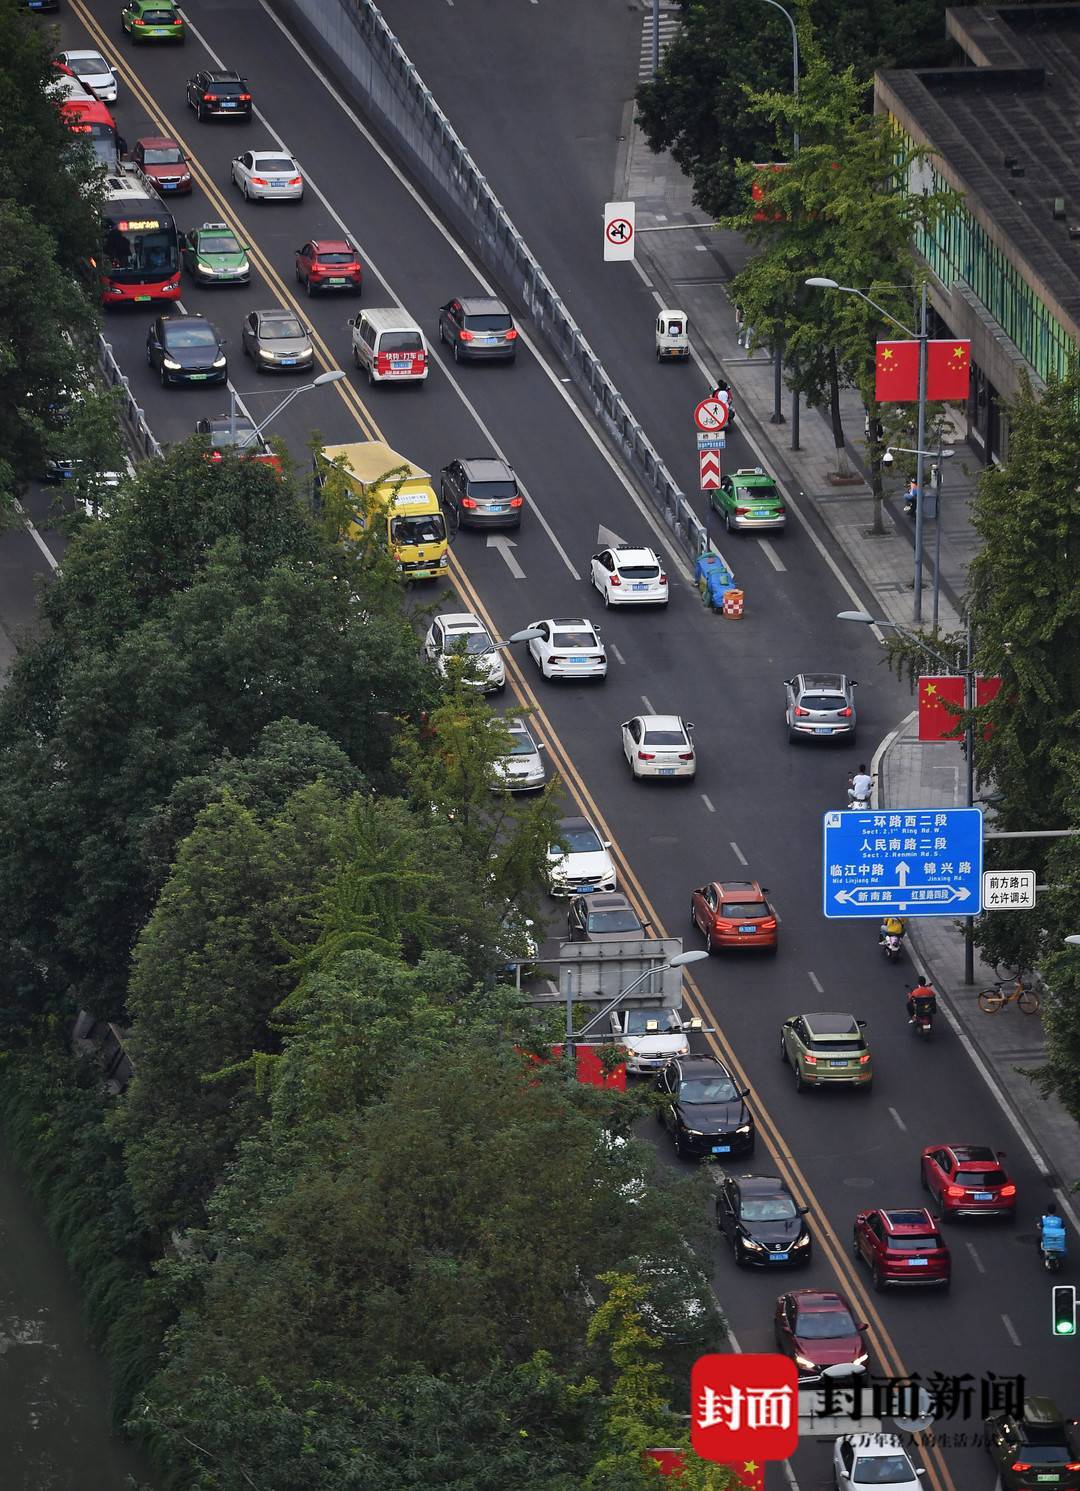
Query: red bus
(90, 117)
(140, 258)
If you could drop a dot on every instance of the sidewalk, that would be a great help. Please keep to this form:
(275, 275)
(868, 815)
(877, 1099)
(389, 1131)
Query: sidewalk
(690, 269)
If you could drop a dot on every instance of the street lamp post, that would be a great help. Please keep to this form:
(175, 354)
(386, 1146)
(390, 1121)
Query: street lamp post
(922, 336)
(940, 455)
(969, 735)
(680, 960)
(335, 375)
(777, 415)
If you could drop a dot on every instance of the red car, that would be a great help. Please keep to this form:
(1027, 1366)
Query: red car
(164, 162)
(328, 264)
(734, 913)
(902, 1247)
(817, 1329)
(966, 1180)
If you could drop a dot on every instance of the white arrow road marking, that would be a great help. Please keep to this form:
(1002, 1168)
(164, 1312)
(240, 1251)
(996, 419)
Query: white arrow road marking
(607, 539)
(504, 545)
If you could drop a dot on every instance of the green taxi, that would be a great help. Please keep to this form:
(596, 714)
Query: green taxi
(152, 20)
(750, 499)
(213, 255)
(825, 1049)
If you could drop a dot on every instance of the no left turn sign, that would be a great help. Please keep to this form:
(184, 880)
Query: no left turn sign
(618, 230)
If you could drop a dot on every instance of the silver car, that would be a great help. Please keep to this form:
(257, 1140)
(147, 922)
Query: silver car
(820, 706)
(277, 341)
(268, 176)
(522, 770)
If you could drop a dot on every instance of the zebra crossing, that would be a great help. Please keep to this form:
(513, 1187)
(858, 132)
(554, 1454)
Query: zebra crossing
(669, 25)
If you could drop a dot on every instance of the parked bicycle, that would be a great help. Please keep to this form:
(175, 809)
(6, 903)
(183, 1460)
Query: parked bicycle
(1017, 987)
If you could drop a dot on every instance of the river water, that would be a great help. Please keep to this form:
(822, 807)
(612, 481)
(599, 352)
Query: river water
(54, 1388)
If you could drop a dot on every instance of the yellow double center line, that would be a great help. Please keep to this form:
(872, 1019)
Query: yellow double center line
(787, 1166)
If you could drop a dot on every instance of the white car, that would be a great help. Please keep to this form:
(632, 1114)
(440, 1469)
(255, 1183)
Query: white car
(659, 745)
(522, 770)
(652, 1037)
(861, 1460)
(568, 647)
(460, 634)
(93, 72)
(268, 176)
(628, 576)
(584, 864)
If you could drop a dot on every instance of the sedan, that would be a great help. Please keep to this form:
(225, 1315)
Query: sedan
(213, 255)
(478, 327)
(758, 1216)
(824, 1049)
(328, 264)
(820, 706)
(651, 1038)
(578, 861)
(749, 499)
(568, 647)
(522, 770)
(164, 162)
(817, 1329)
(92, 71)
(703, 1110)
(602, 919)
(967, 1180)
(861, 1460)
(277, 342)
(659, 745)
(463, 635)
(734, 913)
(186, 349)
(481, 492)
(627, 575)
(268, 176)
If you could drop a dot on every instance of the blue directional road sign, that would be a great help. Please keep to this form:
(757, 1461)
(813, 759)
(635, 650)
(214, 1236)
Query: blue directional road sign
(913, 862)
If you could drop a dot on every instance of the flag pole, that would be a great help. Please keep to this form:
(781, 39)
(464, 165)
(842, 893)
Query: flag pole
(920, 458)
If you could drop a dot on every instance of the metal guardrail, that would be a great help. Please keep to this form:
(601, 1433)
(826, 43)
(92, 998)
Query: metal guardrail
(355, 42)
(132, 413)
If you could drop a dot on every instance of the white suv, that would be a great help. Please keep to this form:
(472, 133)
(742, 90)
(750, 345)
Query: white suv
(628, 576)
(584, 865)
(462, 634)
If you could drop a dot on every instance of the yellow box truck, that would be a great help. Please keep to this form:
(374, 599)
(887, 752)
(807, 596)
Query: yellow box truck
(391, 490)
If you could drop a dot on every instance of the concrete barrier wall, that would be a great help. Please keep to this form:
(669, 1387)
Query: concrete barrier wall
(354, 43)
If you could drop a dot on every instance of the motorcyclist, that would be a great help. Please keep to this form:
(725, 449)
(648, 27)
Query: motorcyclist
(922, 990)
(892, 926)
(862, 785)
(1050, 1227)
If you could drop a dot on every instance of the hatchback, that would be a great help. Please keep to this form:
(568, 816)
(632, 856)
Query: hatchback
(328, 264)
(703, 1109)
(758, 1216)
(164, 162)
(93, 72)
(152, 20)
(277, 341)
(824, 1049)
(568, 647)
(478, 327)
(627, 575)
(659, 745)
(820, 706)
(607, 918)
(902, 1247)
(481, 492)
(734, 913)
(967, 1180)
(817, 1328)
(219, 94)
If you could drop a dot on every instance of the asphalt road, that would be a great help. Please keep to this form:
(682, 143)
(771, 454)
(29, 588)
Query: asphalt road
(756, 799)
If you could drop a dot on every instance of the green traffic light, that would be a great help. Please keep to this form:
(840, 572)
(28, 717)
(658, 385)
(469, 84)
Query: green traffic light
(1063, 1309)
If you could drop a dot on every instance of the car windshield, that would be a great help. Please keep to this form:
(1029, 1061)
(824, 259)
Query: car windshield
(613, 921)
(495, 322)
(88, 67)
(573, 639)
(583, 840)
(475, 643)
(883, 1470)
(639, 571)
(743, 909)
(221, 243)
(401, 341)
(824, 1325)
(219, 86)
(275, 163)
(707, 1090)
(665, 737)
(763, 492)
(282, 328)
(846, 1046)
(190, 336)
(158, 17)
(823, 701)
(493, 489)
(652, 1022)
(522, 745)
(428, 529)
(334, 258)
(170, 155)
(981, 1177)
(911, 1242)
(222, 434)
(1046, 1454)
(767, 1209)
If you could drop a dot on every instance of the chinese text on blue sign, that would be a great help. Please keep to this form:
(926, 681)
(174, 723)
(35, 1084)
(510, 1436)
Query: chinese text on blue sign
(920, 862)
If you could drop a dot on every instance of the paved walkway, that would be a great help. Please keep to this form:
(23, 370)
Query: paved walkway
(690, 269)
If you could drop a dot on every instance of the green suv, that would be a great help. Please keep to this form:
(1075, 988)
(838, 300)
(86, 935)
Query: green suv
(213, 255)
(750, 499)
(824, 1049)
(152, 20)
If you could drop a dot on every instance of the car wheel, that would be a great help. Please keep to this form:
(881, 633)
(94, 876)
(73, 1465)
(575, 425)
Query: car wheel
(164, 377)
(800, 1085)
(946, 1285)
(679, 1150)
(606, 593)
(457, 351)
(442, 334)
(200, 113)
(149, 359)
(783, 1049)
(371, 377)
(709, 942)
(855, 1245)
(693, 918)
(247, 194)
(727, 522)
(877, 1280)
(355, 355)
(307, 286)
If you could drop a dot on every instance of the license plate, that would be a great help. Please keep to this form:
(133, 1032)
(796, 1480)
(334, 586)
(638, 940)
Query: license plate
(1052, 1478)
(778, 1257)
(228, 106)
(824, 729)
(140, 297)
(639, 587)
(750, 928)
(982, 1195)
(585, 889)
(762, 512)
(577, 660)
(721, 1149)
(197, 377)
(288, 362)
(838, 1063)
(666, 771)
(336, 281)
(917, 1262)
(487, 341)
(497, 507)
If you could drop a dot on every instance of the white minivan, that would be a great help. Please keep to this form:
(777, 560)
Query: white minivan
(389, 345)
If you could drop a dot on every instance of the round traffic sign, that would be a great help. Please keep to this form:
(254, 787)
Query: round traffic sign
(711, 414)
(619, 231)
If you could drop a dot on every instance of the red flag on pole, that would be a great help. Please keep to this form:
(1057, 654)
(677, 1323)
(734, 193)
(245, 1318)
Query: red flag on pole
(896, 378)
(936, 720)
(948, 370)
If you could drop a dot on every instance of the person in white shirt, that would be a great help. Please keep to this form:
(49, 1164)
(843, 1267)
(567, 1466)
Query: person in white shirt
(862, 785)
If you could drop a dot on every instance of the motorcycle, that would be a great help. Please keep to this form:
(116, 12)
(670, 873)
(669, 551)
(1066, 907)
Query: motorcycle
(892, 945)
(1052, 1243)
(924, 1008)
(860, 802)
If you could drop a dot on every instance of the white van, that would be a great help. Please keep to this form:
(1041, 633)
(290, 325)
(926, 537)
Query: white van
(389, 345)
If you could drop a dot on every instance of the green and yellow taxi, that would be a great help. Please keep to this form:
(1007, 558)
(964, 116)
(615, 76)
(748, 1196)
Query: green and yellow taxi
(825, 1049)
(750, 499)
(213, 255)
(152, 20)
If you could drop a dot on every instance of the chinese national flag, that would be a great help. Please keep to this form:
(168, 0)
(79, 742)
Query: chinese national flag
(751, 1474)
(897, 372)
(936, 721)
(948, 370)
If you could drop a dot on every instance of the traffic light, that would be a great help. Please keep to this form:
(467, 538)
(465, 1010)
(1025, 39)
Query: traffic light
(1063, 1309)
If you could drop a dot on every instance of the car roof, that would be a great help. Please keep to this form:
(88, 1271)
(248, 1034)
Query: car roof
(575, 821)
(701, 1066)
(746, 474)
(157, 142)
(973, 1154)
(823, 682)
(760, 1185)
(819, 1300)
(908, 1219)
(460, 621)
(332, 246)
(611, 901)
(223, 422)
(82, 53)
(221, 74)
(875, 1444)
(481, 305)
(277, 314)
(187, 319)
(487, 468)
(632, 554)
(518, 727)
(273, 155)
(567, 621)
(1041, 1419)
(830, 1022)
(662, 721)
(747, 890)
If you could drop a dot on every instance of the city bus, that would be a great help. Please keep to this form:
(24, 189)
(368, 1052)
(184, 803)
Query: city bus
(90, 117)
(140, 259)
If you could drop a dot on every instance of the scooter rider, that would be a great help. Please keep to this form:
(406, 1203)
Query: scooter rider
(862, 786)
(1051, 1225)
(892, 926)
(922, 990)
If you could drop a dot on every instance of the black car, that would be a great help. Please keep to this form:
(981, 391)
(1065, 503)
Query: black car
(606, 917)
(481, 492)
(219, 431)
(220, 94)
(759, 1218)
(1035, 1449)
(478, 327)
(704, 1110)
(186, 349)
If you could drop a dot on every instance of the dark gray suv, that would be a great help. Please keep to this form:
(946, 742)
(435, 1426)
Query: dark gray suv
(478, 327)
(820, 706)
(481, 492)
